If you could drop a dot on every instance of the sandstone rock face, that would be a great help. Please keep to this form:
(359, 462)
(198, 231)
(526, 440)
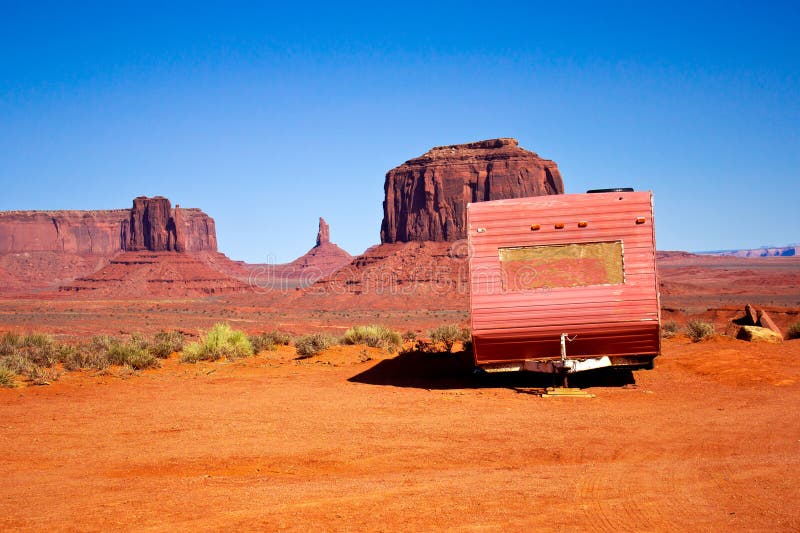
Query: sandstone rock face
(324, 233)
(48, 248)
(71, 232)
(426, 197)
(154, 226)
(151, 224)
(765, 321)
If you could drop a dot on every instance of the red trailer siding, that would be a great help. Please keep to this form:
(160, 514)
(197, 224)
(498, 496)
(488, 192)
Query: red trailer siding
(558, 288)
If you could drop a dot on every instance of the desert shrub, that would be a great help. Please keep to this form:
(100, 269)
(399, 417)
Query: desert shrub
(280, 338)
(165, 343)
(669, 329)
(699, 330)
(40, 375)
(16, 363)
(311, 345)
(83, 356)
(103, 343)
(220, 341)
(373, 336)
(263, 342)
(409, 336)
(449, 334)
(9, 343)
(39, 349)
(794, 331)
(140, 341)
(6, 377)
(132, 355)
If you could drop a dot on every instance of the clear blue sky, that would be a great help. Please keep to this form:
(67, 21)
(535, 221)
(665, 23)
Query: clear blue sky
(269, 116)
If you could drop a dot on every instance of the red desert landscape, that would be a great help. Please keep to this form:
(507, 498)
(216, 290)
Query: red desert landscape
(151, 382)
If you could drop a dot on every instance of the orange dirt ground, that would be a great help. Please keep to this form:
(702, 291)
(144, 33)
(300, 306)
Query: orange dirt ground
(709, 440)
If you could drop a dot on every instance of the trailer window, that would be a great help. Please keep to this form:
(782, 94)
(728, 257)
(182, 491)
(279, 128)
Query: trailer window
(561, 265)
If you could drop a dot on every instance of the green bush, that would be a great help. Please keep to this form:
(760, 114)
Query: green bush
(669, 329)
(449, 335)
(165, 343)
(699, 330)
(794, 331)
(263, 342)
(132, 355)
(220, 341)
(373, 336)
(311, 345)
(6, 377)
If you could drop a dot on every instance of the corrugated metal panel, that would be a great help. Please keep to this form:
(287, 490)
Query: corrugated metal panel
(615, 319)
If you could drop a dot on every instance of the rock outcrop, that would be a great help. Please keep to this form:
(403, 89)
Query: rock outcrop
(426, 197)
(151, 224)
(48, 248)
(322, 260)
(758, 334)
(154, 226)
(71, 232)
(155, 274)
(324, 233)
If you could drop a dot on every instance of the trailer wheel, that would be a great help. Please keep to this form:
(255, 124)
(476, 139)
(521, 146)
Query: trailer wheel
(479, 373)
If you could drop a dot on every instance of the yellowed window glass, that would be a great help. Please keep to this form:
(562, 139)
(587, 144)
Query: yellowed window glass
(561, 265)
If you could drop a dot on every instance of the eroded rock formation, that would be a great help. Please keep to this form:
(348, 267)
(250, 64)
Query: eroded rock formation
(151, 224)
(426, 197)
(324, 233)
(323, 259)
(47, 248)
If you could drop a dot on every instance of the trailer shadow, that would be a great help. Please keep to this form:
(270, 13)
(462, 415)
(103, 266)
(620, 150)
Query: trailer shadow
(440, 371)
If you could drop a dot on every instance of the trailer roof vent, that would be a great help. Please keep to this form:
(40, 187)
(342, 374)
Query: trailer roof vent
(613, 189)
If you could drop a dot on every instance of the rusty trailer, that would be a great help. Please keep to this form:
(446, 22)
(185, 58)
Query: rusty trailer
(564, 283)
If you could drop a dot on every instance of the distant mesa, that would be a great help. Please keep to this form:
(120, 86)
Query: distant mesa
(151, 224)
(790, 250)
(151, 249)
(426, 197)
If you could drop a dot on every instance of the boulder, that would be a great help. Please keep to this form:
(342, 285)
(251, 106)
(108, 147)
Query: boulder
(426, 197)
(758, 334)
(765, 321)
(750, 315)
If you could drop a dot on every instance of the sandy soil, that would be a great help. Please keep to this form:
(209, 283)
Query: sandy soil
(709, 440)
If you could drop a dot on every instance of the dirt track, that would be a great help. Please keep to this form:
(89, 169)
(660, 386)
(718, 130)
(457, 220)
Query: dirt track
(408, 443)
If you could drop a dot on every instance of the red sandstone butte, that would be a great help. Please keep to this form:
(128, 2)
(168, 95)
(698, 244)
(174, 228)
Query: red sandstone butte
(426, 197)
(48, 248)
(151, 224)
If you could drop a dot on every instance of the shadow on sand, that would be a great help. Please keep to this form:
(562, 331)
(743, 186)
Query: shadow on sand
(436, 371)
